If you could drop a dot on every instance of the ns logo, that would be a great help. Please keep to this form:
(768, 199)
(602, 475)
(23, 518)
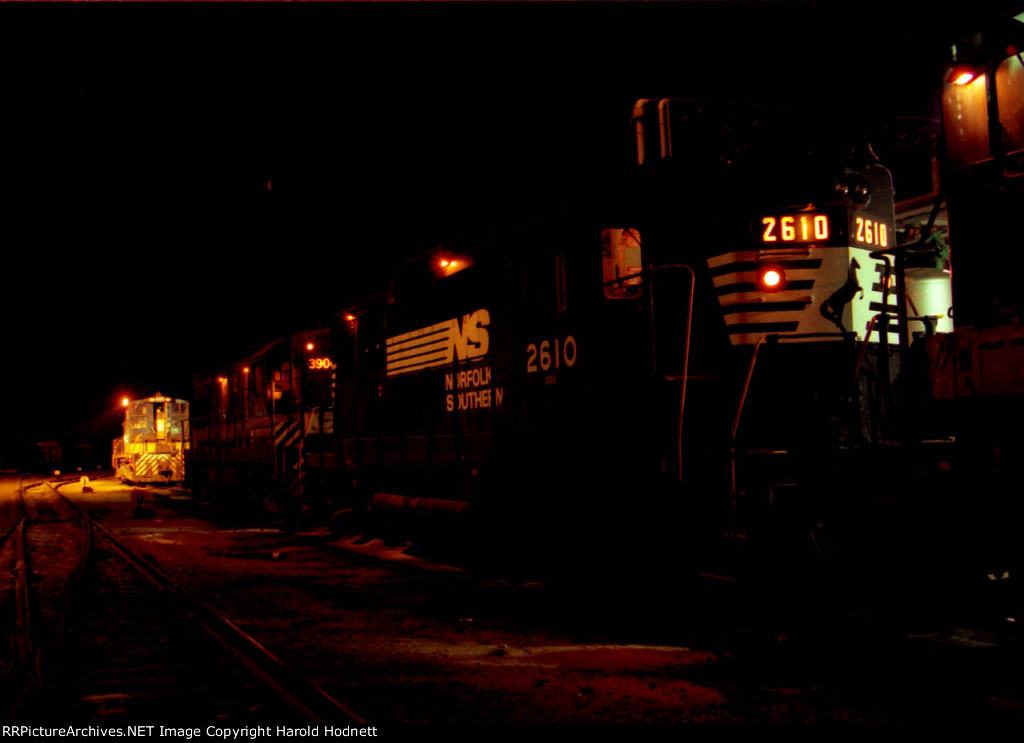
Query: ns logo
(440, 344)
(470, 340)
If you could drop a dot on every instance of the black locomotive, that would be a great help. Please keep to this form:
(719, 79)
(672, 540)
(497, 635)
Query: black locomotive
(744, 339)
(264, 422)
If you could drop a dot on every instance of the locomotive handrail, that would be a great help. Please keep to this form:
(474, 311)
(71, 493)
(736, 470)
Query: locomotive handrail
(863, 351)
(898, 253)
(746, 387)
(736, 424)
(686, 359)
(650, 270)
(629, 277)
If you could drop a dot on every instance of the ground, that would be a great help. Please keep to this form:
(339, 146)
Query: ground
(398, 639)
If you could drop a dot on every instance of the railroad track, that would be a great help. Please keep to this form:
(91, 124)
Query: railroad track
(108, 637)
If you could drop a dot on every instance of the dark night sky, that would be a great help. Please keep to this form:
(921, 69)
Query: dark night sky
(182, 179)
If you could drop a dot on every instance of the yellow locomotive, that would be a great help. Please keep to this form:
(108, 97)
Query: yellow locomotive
(156, 436)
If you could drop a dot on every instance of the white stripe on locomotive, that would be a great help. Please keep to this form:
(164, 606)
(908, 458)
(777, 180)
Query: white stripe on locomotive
(751, 313)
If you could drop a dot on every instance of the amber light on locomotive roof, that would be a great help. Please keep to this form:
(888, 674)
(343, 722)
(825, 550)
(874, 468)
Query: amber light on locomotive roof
(961, 74)
(448, 264)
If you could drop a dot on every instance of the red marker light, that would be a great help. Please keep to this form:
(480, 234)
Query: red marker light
(771, 279)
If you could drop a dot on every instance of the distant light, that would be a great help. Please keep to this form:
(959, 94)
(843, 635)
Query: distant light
(245, 370)
(309, 346)
(124, 402)
(445, 263)
(350, 317)
(222, 380)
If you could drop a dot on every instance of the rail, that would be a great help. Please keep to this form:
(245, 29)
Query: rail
(303, 695)
(29, 638)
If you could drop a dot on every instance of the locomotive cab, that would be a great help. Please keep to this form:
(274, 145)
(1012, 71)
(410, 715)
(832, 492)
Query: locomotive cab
(789, 401)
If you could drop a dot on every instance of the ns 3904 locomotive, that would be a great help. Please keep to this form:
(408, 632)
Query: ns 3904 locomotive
(263, 425)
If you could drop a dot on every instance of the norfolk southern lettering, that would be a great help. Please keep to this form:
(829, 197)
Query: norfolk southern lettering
(473, 390)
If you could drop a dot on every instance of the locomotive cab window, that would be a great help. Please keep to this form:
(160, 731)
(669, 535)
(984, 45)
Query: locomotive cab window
(621, 263)
(140, 415)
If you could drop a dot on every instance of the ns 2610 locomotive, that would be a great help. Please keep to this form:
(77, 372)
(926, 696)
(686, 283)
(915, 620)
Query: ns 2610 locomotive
(692, 354)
